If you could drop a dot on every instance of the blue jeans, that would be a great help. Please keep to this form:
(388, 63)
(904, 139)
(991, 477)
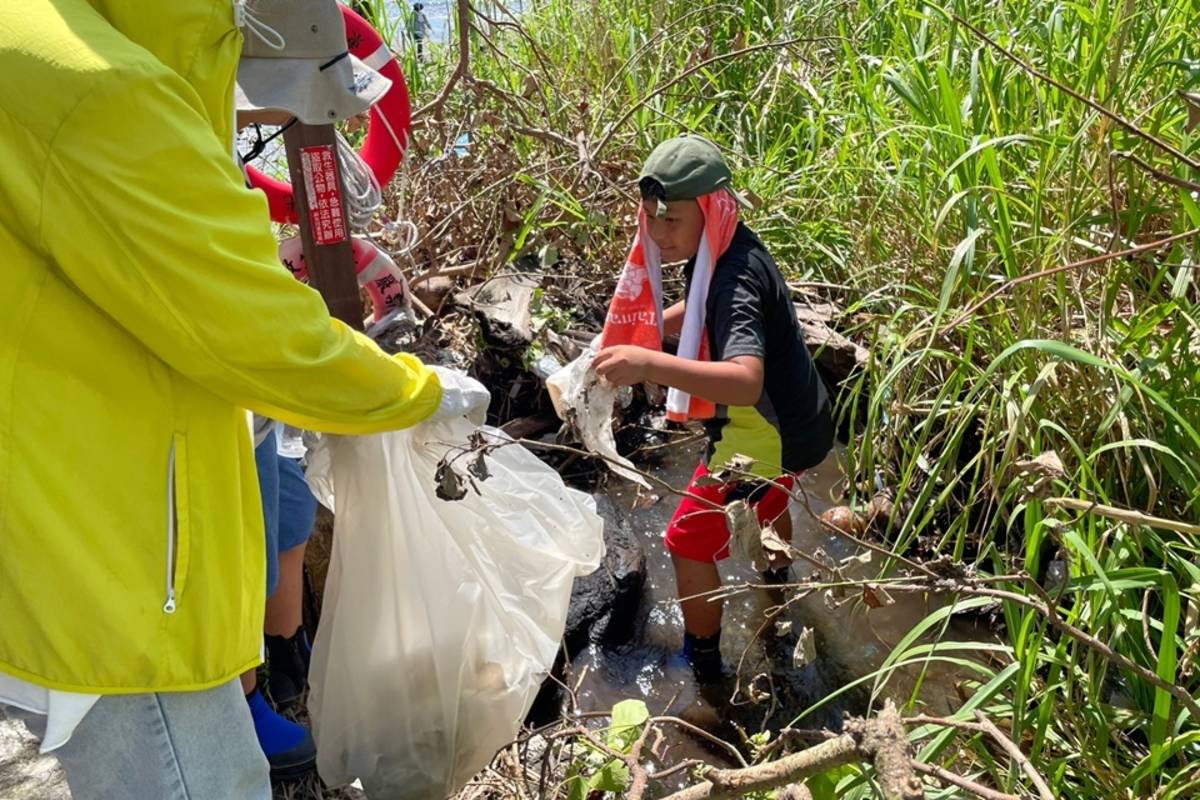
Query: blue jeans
(169, 746)
(289, 507)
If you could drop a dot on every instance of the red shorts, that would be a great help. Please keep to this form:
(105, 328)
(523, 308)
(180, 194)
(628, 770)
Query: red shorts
(698, 531)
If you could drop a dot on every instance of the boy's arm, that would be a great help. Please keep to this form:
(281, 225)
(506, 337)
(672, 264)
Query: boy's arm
(673, 320)
(736, 382)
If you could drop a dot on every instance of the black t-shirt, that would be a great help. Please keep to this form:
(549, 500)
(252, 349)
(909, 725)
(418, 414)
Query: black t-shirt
(750, 313)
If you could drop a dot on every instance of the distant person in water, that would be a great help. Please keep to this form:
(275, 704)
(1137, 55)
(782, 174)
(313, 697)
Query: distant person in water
(420, 28)
(743, 369)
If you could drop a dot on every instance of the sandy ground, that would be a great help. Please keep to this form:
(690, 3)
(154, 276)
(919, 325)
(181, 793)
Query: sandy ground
(25, 775)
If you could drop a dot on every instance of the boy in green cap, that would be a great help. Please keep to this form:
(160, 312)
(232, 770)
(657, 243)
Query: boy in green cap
(742, 368)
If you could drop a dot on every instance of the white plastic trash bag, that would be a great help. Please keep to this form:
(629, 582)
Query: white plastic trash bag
(441, 617)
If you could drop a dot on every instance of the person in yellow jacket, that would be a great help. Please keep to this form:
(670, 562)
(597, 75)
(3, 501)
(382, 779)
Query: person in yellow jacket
(143, 312)
(294, 66)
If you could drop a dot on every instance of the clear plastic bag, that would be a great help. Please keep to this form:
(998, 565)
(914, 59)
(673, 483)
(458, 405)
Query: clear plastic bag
(441, 617)
(585, 401)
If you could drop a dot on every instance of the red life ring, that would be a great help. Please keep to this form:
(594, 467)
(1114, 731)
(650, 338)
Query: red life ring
(387, 133)
(377, 273)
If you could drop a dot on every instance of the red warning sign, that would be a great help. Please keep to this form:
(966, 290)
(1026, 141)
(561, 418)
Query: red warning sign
(324, 191)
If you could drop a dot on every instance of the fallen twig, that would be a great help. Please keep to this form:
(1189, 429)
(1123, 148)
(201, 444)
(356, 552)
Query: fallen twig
(639, 775)
(946, 776)
(1165, 177)
(881, 741)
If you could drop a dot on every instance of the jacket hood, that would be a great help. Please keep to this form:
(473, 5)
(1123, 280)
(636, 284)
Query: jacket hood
(198, 39)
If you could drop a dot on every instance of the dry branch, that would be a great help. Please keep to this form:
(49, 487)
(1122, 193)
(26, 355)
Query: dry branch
(1123, 515)
(461, 69)
(881, 741)
(687, 73)
(1016, 755)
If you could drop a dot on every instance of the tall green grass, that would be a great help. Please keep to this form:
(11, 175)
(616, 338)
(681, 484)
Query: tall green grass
(902, 159)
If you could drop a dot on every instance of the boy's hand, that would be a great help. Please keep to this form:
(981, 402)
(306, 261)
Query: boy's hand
(624, 364)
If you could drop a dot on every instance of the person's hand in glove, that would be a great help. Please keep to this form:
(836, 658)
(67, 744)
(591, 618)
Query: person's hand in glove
(462, 396)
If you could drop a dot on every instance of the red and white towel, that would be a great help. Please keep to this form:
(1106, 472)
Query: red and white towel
(635, 315)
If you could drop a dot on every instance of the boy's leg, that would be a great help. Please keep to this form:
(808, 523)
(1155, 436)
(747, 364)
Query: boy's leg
(773, 508)
(171, 746)
(266, 461)
(701, 616)
(288, 652)
(288, 649)
(697, 538)
(783, 526)
(284, 615)
(288, 746)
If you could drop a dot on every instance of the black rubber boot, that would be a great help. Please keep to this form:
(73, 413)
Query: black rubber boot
(703, 654)
(288, 658)
(777, 576)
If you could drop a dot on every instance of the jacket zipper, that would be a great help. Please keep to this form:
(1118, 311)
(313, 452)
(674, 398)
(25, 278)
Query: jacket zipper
(172, 535)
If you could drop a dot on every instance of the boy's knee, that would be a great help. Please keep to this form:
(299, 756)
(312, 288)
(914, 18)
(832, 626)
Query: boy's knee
(695, 571)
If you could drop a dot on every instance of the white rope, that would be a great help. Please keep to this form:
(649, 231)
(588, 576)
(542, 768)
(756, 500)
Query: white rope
(363, 194)
(243, 17)
(401, 235)
(401, 227)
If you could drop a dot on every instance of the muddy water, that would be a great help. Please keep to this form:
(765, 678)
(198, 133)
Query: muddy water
(851, 640)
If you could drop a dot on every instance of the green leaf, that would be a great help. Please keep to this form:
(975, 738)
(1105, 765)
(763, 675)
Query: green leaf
(1190, 206)
(824, 786)
(628, 717)
(964, 252)
(579, 788)
(612, 777)
(1167, 659)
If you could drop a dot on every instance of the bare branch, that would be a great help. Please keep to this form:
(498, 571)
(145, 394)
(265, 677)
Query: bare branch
(1123, 515)
(461, 69)
(726, 783)
(946, 776)
(1165, 177)
(881, 740)
(687, 73)
(1015, 753)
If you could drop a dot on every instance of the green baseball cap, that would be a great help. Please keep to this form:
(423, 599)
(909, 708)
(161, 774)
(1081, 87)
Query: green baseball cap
(688, 167)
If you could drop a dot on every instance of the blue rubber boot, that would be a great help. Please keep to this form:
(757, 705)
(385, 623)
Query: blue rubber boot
(288, 746)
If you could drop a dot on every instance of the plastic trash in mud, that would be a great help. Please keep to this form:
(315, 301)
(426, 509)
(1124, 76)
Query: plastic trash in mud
(585, 401)
(545, 365)
(454, 554)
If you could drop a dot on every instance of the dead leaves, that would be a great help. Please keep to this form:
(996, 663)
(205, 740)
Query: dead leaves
(805, 651)
(1040, 473)
(452, 484)
(736, 469)
(750, 540)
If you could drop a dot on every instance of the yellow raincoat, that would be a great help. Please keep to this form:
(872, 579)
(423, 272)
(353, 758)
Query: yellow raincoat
(142, 309)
